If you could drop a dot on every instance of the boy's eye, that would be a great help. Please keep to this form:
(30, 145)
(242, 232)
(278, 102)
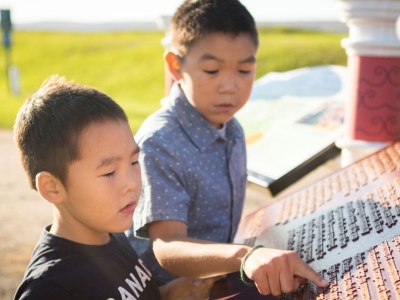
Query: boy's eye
(109, 174)
(244, 71)
(134, 163)
(211, 71)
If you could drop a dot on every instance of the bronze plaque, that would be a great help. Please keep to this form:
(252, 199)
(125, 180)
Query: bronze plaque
(345, 226)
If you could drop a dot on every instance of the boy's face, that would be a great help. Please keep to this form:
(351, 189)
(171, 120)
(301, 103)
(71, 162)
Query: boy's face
(217, 75)
(104, 185)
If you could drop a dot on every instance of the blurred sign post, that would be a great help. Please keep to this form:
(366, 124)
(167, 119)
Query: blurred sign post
(11, 71)
(163, 23)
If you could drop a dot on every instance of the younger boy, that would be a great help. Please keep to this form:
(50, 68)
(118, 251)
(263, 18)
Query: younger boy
(79, 154)
(193, 156)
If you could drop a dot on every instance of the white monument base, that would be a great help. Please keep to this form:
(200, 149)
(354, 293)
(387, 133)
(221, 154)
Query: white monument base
(354, 150)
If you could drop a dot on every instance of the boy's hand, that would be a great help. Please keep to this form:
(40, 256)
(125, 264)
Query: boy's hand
(279, 272)
(184, 288)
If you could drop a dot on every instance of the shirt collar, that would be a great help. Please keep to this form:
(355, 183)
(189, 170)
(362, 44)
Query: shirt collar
(193, 123)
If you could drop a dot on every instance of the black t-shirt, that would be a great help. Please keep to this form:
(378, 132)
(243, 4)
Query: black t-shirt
(61, 269)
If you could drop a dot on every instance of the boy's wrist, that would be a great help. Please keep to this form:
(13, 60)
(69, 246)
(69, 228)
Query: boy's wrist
(240, 254)
(242, 274)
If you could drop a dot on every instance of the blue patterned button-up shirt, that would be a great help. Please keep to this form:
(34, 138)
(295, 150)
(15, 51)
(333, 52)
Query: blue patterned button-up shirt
(191, 173)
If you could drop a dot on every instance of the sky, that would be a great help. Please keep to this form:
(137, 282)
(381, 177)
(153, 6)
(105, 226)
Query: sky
(99, 11)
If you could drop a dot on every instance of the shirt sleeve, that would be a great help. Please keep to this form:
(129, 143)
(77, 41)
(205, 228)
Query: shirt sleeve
(164, 179)
(42, 289)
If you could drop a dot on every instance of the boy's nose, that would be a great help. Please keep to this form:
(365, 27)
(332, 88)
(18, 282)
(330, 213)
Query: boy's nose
(228, 85)
(133, 181)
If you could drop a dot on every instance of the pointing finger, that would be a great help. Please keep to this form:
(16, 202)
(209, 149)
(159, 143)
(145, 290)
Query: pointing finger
(304, 270)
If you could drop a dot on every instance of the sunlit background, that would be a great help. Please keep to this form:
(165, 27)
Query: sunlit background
(126, 63)
(91, 11)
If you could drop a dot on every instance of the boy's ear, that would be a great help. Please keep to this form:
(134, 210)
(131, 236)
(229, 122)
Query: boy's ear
(172, 63)
(49, 187)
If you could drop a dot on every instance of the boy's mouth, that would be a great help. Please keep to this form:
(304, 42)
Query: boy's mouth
(129, 208)
(224, 107)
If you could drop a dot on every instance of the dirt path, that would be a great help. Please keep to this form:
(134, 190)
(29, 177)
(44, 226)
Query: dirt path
(22, 215)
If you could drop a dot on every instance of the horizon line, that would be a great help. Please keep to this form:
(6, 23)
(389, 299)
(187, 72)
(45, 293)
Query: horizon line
(325, 25)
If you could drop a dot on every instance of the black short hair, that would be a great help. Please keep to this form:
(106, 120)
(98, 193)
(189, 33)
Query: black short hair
(50, 123)
(197, 18)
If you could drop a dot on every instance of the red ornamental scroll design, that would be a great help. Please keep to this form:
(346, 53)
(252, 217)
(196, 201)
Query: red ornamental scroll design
(387, 76)
(378, 102)
(371, 95)
(382, 125)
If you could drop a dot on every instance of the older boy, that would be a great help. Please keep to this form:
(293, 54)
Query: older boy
(193, 156)
(79, 154)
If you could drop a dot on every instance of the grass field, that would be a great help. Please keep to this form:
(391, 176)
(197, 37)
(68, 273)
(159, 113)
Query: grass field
(129, 67)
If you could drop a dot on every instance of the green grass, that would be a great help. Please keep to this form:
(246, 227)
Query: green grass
(128, 66)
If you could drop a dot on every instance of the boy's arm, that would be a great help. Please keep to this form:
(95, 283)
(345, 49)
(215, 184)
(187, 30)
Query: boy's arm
(184, 256)
(274, 271)
(183, 288)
